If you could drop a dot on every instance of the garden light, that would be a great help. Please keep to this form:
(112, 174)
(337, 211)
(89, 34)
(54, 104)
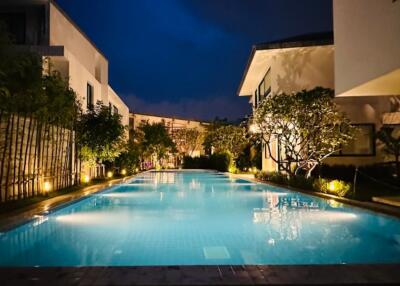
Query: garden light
(47, 187)
(123, 172)
(86, 179)
(109, 174)
(332, 186)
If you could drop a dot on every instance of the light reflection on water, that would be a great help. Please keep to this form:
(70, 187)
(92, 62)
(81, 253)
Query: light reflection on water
(192, 218)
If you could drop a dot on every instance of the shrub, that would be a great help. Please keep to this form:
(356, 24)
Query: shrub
(219, 162)
(274, 177)
(301, 182)
(334, 187)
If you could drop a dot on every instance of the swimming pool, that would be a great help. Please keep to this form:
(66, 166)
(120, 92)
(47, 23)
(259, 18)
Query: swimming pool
(201, 218)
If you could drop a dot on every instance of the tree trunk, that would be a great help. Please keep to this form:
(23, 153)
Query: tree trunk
(15, 158)
(21, 158)
(9, 158)
(3, 158)
(27, 158)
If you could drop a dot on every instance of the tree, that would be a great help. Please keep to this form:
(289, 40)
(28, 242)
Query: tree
(100, 134)
(227, 138)
(391, 138)
(187, 140)
(306, 125)
(155, 141)
(38, 111)
(130, 158)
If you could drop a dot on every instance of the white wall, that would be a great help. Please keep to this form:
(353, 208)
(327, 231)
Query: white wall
(367, 44)
(123, 109)
(86, 63)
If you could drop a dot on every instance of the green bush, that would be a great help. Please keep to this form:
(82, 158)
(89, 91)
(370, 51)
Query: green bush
(301, 182)
(274, 177)
(334, 187)
(219, 162)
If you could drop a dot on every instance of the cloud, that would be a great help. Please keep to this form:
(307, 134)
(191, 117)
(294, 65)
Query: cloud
(207, 108)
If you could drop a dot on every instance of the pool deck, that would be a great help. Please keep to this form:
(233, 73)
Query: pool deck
(205, 275)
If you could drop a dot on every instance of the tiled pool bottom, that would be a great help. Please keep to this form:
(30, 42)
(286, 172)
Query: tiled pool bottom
(202, 218)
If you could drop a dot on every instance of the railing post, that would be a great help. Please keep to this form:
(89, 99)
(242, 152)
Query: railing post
(355, 181)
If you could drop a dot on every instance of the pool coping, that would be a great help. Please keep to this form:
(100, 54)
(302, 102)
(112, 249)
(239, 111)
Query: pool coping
(370, 206)
(360, 274)
(34, 211)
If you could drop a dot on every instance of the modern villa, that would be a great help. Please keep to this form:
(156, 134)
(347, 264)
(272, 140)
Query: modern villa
(43, 27)
(350, 61)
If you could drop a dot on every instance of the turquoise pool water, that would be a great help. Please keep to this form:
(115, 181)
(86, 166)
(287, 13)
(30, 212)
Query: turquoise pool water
(201, 218)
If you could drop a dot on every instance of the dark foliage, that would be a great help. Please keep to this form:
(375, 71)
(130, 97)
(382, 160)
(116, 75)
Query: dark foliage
(219, 162)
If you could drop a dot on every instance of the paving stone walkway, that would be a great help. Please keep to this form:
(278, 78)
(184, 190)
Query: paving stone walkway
(388, 274)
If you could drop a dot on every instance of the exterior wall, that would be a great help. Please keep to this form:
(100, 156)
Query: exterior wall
(86, 63)
(367, 44)
(171, 123)
(116, 101)
(293, 70)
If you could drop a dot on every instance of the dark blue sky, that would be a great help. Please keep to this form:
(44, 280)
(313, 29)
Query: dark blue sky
(186, 57)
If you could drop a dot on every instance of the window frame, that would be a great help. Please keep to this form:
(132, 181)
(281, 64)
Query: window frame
(89, 96)
(372, 154)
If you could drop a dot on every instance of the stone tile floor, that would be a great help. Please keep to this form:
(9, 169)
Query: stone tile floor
(388, 274)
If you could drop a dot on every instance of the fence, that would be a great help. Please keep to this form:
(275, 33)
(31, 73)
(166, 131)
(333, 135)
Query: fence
(35, 157)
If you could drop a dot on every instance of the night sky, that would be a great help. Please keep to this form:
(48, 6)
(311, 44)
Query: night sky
(186, 57)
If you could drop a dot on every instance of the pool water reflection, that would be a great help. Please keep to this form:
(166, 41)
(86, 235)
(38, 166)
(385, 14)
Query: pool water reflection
(202, 218)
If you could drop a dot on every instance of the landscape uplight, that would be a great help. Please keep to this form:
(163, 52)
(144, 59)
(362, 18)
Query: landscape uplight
(332, 186)
(86, 178)
(109, 174)
(123, 172)
(46, 186)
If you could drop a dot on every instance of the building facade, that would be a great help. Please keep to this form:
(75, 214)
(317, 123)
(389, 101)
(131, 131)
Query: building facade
(360, 61)
(43, 27)
(172, 124)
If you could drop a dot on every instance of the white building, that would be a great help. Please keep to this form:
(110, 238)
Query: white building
(361, 61)
(45, 28)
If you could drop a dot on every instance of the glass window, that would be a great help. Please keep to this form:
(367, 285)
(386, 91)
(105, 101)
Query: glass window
(89, 96)
(267, 83)
(363, 143)
(261, 90)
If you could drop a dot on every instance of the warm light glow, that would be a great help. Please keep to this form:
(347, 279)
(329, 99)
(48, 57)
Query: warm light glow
(46, 186)
(123, 172)
(109, 174)
(137, 170)
(254, 128)
(332, 186)
(86, 178)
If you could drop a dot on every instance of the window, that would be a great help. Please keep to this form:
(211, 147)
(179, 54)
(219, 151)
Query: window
(363, 143)
(89, 96)
(265, 86)
(256, 98)
(15, 24)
